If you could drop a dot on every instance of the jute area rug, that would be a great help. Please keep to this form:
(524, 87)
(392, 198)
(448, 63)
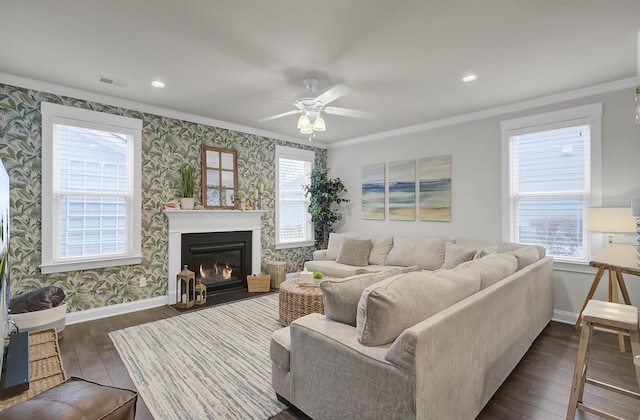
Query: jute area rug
(208, 364)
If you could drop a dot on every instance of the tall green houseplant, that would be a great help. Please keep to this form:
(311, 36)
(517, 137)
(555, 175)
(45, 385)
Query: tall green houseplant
(324, 192)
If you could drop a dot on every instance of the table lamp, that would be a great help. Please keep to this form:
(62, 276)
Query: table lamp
(635, 211)
(611, 220)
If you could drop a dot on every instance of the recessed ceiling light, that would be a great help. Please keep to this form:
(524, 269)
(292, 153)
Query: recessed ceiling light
(157, 84)
(469, 78)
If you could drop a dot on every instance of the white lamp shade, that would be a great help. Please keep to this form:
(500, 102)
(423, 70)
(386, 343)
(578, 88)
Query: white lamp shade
(319, 124)
(611, 220)
(303, 122)
(306, 130)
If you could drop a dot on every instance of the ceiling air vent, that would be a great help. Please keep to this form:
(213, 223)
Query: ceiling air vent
(111, 81)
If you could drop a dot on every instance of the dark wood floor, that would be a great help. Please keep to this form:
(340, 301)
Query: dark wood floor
(537, 389)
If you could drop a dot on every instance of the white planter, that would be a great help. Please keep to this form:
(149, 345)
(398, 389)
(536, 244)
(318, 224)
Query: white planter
(40, 320)
(187, 203)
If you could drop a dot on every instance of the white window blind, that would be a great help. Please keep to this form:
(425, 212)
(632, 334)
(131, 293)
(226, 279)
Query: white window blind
(91, 189)
(293, 220)
(550, 189)
(551, 176)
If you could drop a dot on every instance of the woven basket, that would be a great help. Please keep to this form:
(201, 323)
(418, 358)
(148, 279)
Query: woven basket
(259, 283)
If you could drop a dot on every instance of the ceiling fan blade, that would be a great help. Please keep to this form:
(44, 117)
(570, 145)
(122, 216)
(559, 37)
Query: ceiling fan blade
(332, 94)
(284, 114)
(346, 112)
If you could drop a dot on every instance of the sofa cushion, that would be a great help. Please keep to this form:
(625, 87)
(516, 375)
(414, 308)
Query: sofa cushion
(380, 247)
(340, 296)
(526, 255)
(455, 255)
(354, 252)
(427, 251)
(333, 247)
(389, 307)
(492, 268)
(379, 268)
(280, 348)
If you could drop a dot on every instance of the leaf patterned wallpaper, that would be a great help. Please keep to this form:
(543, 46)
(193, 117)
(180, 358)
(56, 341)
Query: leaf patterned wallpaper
(167, 144)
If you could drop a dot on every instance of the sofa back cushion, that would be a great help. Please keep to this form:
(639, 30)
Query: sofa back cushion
(341, 296)
(525, 256)
(389, 307)
(427, 251)
(492, 268)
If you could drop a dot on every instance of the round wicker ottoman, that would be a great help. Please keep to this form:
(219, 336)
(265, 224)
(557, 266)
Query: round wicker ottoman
(296, 301)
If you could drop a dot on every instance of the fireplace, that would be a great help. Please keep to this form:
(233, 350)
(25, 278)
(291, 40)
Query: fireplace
(181, 222)
(221, 260)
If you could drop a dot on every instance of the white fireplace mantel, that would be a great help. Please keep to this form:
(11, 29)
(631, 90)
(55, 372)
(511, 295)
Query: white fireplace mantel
(204, 221)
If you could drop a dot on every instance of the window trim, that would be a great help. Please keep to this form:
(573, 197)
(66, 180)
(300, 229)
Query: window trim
(298, 154)
(55, 113)
(582, 115)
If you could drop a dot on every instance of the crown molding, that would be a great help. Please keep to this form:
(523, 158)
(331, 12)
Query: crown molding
(631, 82)
(38, 85)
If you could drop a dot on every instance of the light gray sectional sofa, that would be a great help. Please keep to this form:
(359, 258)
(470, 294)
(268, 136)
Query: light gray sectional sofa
(408, 342)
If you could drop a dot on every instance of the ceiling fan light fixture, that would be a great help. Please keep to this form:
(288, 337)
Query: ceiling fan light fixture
(303, 122)
(319, 124)
(306, 130)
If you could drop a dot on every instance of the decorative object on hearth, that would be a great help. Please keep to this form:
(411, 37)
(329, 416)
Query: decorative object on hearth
(611, 220)
(635, 212)
(324, 192)
(201, 293)
(311, 107)
(186, 188)
(185, 288)
(259, 283)
(219, 178)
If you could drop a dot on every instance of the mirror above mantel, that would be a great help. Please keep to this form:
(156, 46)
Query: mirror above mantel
(219, 177)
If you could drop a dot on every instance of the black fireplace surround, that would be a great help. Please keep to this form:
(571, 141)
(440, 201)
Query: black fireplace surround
(221, 260)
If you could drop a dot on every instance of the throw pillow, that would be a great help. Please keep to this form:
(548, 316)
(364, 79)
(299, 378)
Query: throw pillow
(485, 251)
(340, 296)
(354, 252)
(380, 247)
(389, 307)
(455, 255)
(492, 268)
(526, 255)
(427, 251)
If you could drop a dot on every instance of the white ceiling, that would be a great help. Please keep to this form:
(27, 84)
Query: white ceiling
(238, 61)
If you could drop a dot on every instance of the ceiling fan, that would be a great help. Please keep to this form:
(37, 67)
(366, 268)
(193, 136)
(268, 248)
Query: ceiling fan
(311, 107)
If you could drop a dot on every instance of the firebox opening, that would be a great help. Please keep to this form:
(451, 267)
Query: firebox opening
(221, 260)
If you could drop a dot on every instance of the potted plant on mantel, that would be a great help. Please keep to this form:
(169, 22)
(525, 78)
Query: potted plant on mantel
(324, 192)
(186, 187)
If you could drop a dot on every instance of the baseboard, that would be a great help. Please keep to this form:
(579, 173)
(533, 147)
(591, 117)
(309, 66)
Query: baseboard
(564, 317)
(111, 310)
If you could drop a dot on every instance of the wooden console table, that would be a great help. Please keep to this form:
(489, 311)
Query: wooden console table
(617, 259)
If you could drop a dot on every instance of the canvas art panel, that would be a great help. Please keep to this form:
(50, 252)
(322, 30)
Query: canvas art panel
(435, 188)
(373, 196)
(402, 190)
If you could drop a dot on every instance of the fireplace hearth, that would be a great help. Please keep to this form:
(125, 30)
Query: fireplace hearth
(220, 260)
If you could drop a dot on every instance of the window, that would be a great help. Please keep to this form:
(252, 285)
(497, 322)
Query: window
(90, 189)
(551, 176)
(293, 221)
